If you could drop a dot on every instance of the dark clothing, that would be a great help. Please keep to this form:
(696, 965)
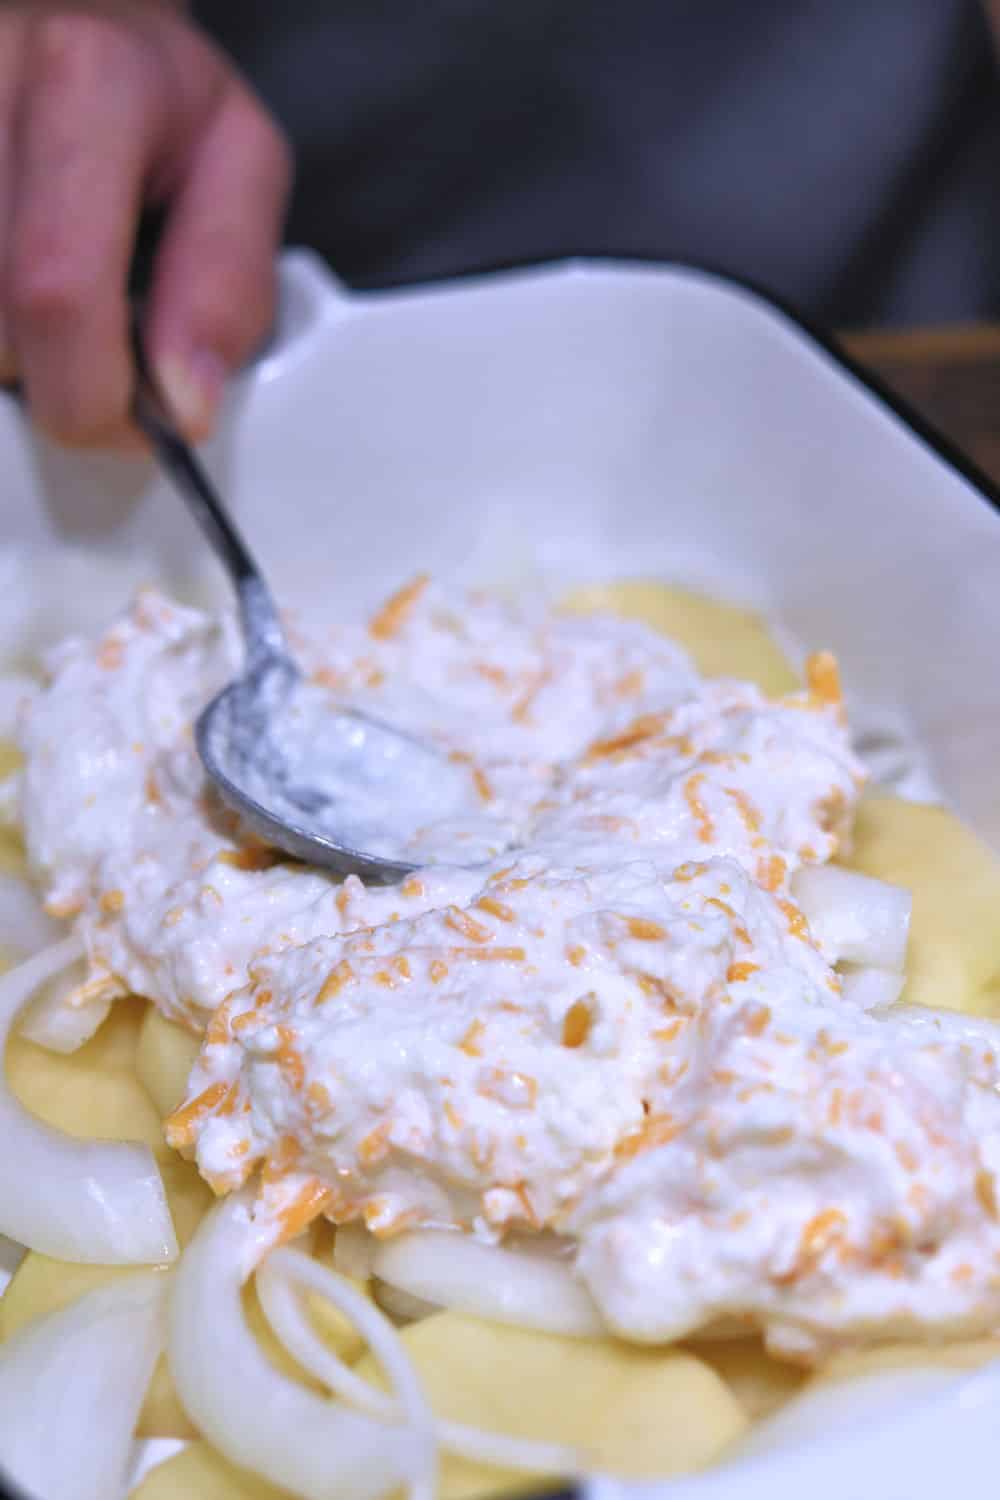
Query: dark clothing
(844, 153)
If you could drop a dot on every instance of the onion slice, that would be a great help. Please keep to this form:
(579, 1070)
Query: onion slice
(854, 917)
(71, 1387)
(284, 1312)
(871, 989)
(500, 1285)
(52, 1021)
(25, 926)
(99, 1202)
(353, 1251)
(16, 690)
(936, 1024)
(400, 1306)
(255, 1416)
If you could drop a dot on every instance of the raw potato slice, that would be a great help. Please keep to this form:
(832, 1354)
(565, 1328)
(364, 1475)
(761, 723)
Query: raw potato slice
(722, 640)
(12, 857)
(859, 1362)
(10, 758)
(164, 1059)
(953, 958)
(760, 1384)
(199, 1473)
(635, 1411)
(12, 860)
(93, 1093)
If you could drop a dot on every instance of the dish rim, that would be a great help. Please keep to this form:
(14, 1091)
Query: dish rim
(812, 330)
(813, 335)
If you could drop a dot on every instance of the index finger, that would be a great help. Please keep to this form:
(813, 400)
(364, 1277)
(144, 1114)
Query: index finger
(90, 121)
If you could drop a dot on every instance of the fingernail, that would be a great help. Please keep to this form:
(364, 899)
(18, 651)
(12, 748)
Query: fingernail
(193, 390)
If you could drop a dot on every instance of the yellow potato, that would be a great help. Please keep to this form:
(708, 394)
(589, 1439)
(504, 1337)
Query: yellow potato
(636, 1411)
(759, 1383)
(954, 951)
(93, 1093)
(164, 1059)
(12, 856)
(12, 860)
(723, 641)
(199, 1473)
(334, 1329)
(851, 1364)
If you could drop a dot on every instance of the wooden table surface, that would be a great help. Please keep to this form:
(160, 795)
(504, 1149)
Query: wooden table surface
(950, 376)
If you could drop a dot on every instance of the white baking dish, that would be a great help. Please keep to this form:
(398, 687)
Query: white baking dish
(599, 421)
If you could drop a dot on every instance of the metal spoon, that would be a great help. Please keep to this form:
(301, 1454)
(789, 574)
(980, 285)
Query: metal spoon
(239, 734)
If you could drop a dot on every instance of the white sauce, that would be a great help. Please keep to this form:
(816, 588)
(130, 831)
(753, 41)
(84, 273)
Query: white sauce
(622, 1031)
(355, 780)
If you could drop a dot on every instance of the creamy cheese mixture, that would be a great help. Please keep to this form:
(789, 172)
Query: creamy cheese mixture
(620, 1030)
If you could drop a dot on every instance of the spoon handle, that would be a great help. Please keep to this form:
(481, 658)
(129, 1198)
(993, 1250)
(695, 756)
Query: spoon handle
(261, 626)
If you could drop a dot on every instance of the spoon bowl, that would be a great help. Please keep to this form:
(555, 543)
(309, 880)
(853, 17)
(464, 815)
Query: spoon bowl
(265, 736)
(237, 758)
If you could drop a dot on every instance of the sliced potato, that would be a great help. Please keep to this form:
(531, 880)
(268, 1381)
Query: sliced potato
(851, 1364)
(93, 1093)
(634, 1411)
(760, 1383)
(164, 1059)
(11, 758)
(200, 1473)
(722, 640)
(953, 959)
(12, 859)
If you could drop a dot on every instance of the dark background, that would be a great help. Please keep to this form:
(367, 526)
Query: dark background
(844, 154)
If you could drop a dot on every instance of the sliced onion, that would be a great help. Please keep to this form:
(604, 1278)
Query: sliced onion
(948, 1025)
(854, 917)
(71, 1387)
(503, 1286)
(255, 1416)
(25, 927)
(16, 689)
(400, 1306)
(871, 989)
(354, 1251)
(93, 1201)
(52, 1021)
(285, 1314)
(275, 1280)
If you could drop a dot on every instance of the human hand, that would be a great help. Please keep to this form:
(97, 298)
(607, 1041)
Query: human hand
(106, 108)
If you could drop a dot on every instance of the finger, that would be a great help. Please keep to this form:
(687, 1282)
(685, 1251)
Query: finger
(213, 286)
(88, 129)
(11, 42)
